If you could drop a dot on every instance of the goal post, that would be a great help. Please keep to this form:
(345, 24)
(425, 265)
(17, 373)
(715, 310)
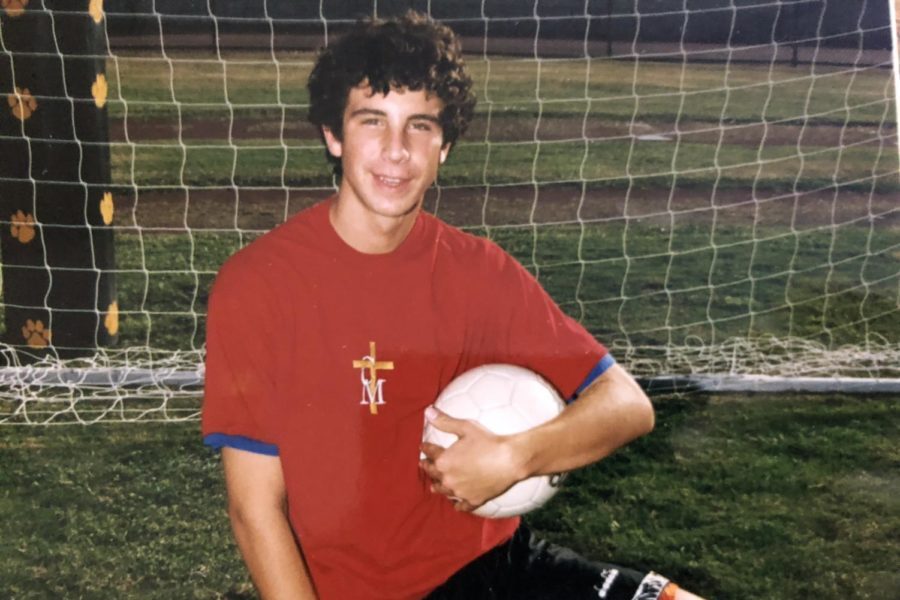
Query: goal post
(709, 187)
(59, 293)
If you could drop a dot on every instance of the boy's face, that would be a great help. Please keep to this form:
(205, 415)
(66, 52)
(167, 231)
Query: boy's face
(391, 149)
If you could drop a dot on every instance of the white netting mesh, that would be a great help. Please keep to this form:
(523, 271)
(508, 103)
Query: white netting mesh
(710, 187)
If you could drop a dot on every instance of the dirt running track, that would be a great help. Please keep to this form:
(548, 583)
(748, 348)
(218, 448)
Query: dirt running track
(263, 208)
(259, 209)
(297, 131)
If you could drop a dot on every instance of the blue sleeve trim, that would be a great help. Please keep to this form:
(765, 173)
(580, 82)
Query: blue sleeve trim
(605, 363)
(219, 440)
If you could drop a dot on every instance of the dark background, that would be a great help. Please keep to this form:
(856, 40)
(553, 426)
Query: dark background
(846, 24)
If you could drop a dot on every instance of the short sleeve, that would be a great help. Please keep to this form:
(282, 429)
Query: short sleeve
(524, 326)
(239, 390)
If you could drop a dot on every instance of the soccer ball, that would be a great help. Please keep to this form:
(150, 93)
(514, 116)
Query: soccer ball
(505, 399)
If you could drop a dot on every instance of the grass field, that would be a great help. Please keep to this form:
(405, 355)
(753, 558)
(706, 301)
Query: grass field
(713, 201)
(782, 498)
(205, 122)
(661, 205)
(669, 209)
(672, 210)
(650, 296)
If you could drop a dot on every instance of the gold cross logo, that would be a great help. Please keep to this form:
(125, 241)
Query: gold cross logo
(372, 393)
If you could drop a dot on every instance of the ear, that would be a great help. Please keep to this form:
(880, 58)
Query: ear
(334, 145)
(445, 150)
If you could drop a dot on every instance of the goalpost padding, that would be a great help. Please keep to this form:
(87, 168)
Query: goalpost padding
(710, 189)
(57, 248)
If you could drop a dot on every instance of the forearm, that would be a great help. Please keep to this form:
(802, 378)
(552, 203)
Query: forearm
(479, 465)
(610, 413)
(271, 554)
(257, 507)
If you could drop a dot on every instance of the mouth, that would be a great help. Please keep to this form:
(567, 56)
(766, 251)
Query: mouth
(391, 182)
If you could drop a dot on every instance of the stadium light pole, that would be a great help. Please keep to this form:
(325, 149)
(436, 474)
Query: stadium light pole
(57, 244)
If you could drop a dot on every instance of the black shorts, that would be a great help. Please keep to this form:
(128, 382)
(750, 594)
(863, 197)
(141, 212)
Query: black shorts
(528, 568)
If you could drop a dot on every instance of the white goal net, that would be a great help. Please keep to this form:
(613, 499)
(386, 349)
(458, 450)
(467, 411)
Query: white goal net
(711, 187)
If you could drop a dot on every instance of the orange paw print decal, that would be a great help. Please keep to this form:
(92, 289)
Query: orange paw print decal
(107, 208)
(111, 322)
(14, 8)
(22, 227)
(95, 9)
(99, 90)
(35, 334)
(22, 103)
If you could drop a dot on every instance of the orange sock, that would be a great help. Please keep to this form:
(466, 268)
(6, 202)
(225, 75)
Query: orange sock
(668, 592)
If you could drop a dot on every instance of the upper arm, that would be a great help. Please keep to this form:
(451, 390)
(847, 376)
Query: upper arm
(518, 322)
(253, 481)
(615, 376)
(241, 362)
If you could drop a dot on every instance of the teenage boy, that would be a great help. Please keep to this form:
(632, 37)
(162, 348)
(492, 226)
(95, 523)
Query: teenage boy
(329, 337)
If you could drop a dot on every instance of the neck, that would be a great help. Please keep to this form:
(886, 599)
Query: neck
(370, 233)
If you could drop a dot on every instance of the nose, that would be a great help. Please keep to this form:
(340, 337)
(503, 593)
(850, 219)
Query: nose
(395, 145)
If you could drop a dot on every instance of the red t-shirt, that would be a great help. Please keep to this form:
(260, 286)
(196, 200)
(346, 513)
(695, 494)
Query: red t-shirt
(294, 320)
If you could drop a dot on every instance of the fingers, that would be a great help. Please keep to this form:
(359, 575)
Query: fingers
(444, 422)
(462, 506)
(437, 487)
(431, 451)
(459, 504)
(431, 469)
(436, 477)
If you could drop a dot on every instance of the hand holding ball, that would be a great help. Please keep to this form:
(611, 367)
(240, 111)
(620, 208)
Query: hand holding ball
(505, 399)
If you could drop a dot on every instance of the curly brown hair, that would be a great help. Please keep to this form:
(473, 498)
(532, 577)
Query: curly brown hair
(411, 52)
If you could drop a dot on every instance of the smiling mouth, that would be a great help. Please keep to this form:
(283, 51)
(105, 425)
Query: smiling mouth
(391, 181)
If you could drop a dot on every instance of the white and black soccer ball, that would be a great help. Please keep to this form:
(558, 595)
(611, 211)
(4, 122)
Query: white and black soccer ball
(505, 399)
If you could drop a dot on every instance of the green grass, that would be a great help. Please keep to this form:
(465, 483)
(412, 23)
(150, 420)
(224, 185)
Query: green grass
(255, 92)
(219, 164)
(760, 497)
(652, 282)
(616, 162)
(113, 512)
(643, 163)
(151, 86)
(650, 286)
(786, 497)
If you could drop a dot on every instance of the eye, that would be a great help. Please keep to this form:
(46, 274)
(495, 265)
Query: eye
(423, 125)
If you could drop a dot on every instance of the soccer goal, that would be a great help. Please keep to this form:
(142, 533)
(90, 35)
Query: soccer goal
(710, 187)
